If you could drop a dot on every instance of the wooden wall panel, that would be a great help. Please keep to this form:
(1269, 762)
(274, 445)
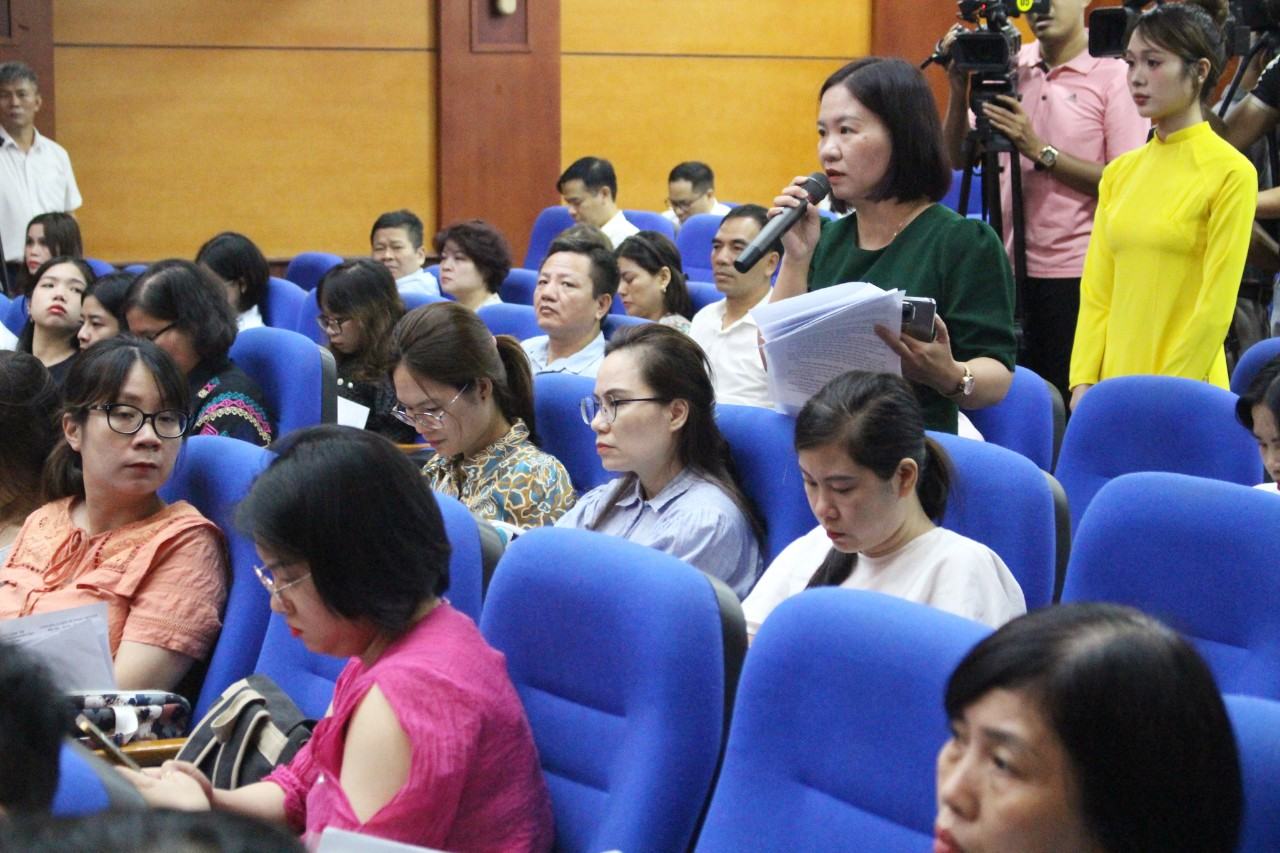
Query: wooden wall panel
(752, 120)
(813, 28)
(31, 41)
(299, 149)
(276, 23)
(499, 115)
(734, 84)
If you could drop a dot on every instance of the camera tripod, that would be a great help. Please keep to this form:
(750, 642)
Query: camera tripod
(992, 143)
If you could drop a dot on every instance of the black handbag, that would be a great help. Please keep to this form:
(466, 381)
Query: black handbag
(252, 728)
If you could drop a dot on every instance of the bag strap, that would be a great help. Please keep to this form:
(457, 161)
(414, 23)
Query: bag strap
(226, 767)
(224, 724)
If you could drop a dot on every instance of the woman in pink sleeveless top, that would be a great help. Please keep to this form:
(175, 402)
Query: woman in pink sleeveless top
(426, 741)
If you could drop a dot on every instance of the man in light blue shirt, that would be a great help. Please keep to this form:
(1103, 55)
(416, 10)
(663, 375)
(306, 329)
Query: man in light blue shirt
(575, 289)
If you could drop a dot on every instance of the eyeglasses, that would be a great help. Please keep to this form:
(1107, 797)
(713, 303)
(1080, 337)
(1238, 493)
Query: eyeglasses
(426, 418)
(330, 325)
(608, 406)
(267, 577)
(153, 336)
(127, 420)
(685, 204)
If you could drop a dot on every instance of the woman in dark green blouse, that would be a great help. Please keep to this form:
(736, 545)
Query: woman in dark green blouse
(880, 144)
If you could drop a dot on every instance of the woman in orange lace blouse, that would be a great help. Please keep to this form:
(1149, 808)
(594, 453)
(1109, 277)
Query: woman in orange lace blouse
(107, 536)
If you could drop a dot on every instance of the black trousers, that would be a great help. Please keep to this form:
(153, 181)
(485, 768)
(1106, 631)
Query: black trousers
(1050, 308)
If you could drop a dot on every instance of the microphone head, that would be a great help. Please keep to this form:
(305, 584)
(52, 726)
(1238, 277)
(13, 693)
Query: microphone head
(817, 186)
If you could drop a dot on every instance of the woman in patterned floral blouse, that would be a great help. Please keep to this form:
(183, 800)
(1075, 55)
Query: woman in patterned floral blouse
(470, 396)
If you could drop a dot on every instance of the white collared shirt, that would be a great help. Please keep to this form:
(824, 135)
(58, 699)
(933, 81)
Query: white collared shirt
(737, 372)
(32, 182)
(618, 229)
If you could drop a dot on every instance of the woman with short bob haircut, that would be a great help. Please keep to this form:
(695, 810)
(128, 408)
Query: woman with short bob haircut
(651, 281)
(426, 741)
(242, 268)
(102, 308)
(183, 309)
(880, 145)
(877, 485)
(359, 306)
(1087, 727)
(106, 534)
(474, 262)
(470, 395)
(29, 408)
(653, 414)
(49, 235)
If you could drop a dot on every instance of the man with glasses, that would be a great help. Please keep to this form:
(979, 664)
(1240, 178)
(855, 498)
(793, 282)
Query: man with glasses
(691, 189)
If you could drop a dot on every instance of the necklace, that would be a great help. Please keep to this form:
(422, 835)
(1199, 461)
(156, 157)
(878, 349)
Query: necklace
(906, 220)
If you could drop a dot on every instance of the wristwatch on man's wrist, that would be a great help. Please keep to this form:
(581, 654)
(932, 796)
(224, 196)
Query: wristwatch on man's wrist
(964, 388)
(1047, 158)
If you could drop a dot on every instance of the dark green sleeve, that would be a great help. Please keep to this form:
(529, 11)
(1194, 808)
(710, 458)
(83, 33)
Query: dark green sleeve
(977, 294)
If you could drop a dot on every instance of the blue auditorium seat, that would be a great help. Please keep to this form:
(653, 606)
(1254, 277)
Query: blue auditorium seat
(647, 220)
(1257, 727)
(549, 223)
(518, 321)
(298, 378)
(518, 286)
(281, 303)
(762, 443)
(837, 727)
(100, 268)
(1197, 554)
(307, 268)
(556, 398)
(625, 660)
(1252, 361)
(694, 243)
(1023, 421)
(702, 294)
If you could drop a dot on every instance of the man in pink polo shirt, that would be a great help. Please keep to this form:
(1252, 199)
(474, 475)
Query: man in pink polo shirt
(1074, 117)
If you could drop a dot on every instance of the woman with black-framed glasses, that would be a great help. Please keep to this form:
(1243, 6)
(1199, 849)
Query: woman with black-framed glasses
(183, 309)
(470, 396)
(106, 536)
(653, 414)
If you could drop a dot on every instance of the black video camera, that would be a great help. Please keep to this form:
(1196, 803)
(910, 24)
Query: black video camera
(1109, 28)
(989, 54)
(993, 49)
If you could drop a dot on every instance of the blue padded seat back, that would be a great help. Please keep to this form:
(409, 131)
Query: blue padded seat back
(519, 321)
(289, 369)
(556, 398)
(837, 726)
(307, 268)
(1003, 500)
(517, 287)
(281, 303)
(214, 474)
(548, 224)
(1197, 554)
(1153, 423)
(1023, 420)
(1253, 360)
(762, 443)
(617, 653)
(1257, 727)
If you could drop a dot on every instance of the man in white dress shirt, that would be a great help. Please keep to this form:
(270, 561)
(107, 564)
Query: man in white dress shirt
(724, 329)
(396, 242)
(589, 188)
(691, 189)
(35, 171)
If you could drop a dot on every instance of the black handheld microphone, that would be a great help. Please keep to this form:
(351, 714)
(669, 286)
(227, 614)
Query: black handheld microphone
(817, 186)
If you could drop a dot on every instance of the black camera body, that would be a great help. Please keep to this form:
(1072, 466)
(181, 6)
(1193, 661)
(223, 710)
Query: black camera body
(989, 54)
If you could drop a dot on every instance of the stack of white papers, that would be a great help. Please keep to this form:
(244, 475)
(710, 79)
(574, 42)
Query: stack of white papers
(71, 643)
(811, 339)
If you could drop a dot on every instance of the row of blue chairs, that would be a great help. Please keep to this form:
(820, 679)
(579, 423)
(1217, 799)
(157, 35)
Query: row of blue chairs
(836, 718)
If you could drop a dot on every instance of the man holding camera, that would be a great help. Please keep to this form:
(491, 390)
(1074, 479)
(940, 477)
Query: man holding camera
(1075, 115)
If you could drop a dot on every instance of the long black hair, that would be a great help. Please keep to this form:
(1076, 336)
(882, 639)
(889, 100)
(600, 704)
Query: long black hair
(877, 420)
(676, 368)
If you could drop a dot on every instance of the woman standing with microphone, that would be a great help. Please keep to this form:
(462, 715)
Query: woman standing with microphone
(880, 146)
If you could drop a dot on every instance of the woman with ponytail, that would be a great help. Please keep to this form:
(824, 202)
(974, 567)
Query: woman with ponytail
(653, 413)
(470, 396)
(106, 535)
(878, 486)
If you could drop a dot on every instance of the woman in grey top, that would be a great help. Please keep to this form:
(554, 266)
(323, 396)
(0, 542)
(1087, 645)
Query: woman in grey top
(653, 415)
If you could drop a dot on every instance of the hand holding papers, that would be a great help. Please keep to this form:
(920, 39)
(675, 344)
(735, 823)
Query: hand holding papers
(811, 339)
